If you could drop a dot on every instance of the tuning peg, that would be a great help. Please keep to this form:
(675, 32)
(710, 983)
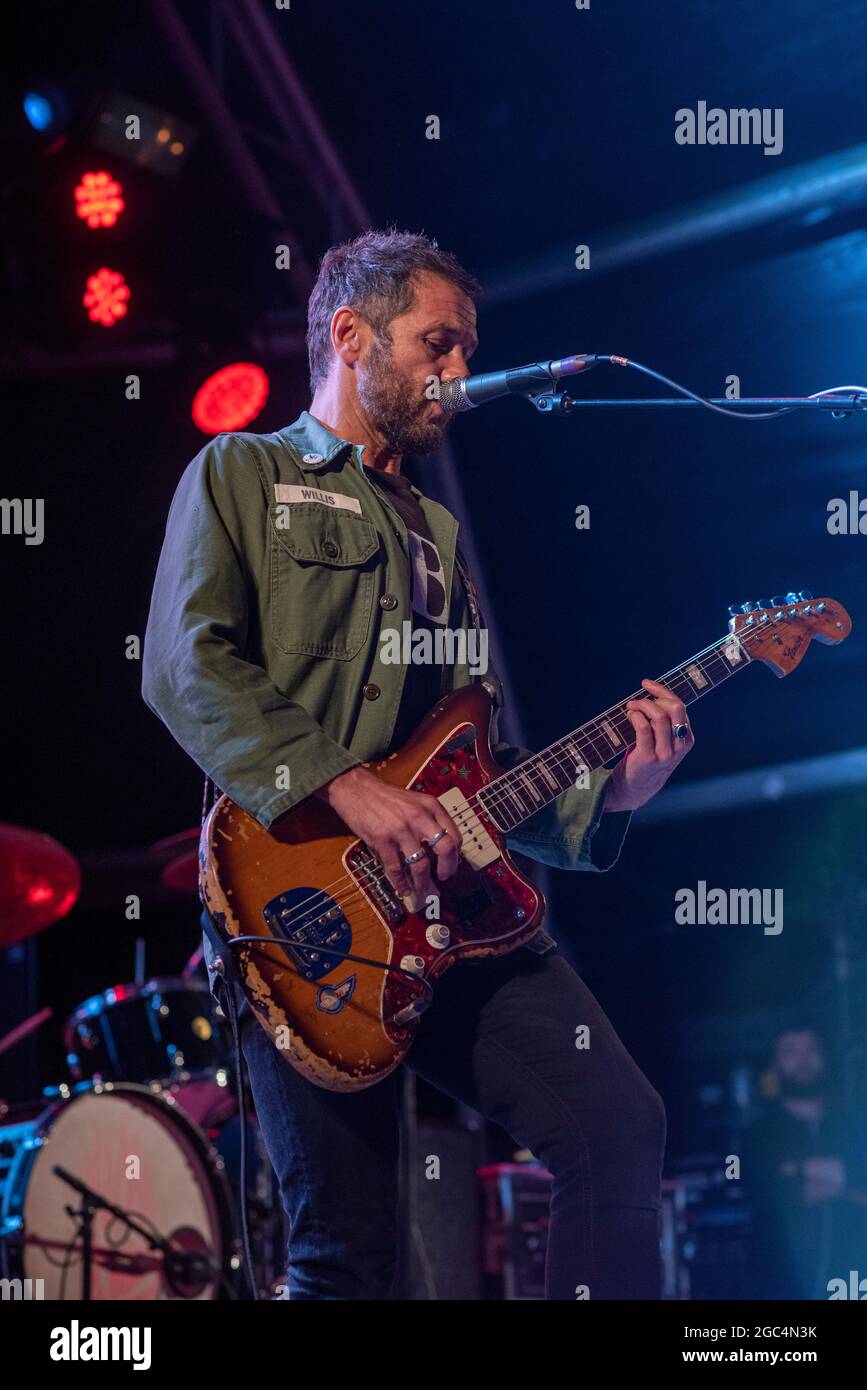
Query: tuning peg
(764, 603)
(779, 601)
(804, 594)
(792, 597)
(734, 610)
(749, 608)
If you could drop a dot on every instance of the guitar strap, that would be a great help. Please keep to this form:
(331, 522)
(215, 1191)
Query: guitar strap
(469, 588)
(541, 944)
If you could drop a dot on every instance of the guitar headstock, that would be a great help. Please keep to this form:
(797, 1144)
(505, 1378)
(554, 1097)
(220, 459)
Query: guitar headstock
(780, 631)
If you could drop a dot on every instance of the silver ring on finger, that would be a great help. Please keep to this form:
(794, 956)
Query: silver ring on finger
(414, 858)
(435, 839)
(681, 731)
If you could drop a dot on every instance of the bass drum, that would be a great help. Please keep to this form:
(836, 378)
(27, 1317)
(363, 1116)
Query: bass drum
(144, 1156)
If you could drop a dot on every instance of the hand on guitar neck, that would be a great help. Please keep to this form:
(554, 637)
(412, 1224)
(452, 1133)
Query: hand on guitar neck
(657, 752)
(396, 824)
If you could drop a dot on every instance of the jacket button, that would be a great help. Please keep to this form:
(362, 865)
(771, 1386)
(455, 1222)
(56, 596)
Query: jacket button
(312, 458)
(388, 601)
(329, 548)
(371, 691)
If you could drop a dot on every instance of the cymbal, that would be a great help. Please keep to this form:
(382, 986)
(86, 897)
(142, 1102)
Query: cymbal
(40, 882)
(171, 846)
(182, 872)
(179, 857)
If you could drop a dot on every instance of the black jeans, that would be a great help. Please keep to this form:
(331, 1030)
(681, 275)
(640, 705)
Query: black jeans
(501, 1037)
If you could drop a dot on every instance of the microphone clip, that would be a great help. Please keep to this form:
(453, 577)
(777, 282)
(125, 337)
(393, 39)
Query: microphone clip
(551, 402)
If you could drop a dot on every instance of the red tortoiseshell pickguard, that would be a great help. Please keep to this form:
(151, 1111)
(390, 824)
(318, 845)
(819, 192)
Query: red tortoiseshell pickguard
(485, 910)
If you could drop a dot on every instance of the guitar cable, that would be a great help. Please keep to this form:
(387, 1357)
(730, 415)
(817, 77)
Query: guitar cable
(230, 975)
(286, 945)
(228, 996)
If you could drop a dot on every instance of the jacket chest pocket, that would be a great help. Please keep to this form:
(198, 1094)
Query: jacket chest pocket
(323, 570)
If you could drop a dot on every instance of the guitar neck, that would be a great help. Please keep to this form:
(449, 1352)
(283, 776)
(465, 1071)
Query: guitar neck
(516, 795)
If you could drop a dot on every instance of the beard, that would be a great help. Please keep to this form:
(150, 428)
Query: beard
(396, 408)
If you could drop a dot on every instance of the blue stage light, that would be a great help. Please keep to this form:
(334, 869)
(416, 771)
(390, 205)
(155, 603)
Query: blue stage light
(38, 110)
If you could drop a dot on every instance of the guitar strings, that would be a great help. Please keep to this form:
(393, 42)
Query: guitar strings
(374, 873)
(613, 709)
(377, 873)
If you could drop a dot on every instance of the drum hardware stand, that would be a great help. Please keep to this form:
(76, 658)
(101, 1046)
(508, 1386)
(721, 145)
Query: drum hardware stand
(85, 1232)
(139, 970)
(180, 1266)
(407, 1205)
(21, 1031)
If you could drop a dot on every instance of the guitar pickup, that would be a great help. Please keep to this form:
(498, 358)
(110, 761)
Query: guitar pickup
(477, 846)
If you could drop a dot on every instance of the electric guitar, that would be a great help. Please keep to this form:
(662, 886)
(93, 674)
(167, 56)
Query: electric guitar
(336, 969)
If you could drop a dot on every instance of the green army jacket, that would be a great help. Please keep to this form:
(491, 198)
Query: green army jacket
(280, 566)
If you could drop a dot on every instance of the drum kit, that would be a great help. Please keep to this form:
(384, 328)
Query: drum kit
(124, 1181)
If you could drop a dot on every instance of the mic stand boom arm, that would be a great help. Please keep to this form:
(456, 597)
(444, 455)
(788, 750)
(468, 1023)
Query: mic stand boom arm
(841, 401)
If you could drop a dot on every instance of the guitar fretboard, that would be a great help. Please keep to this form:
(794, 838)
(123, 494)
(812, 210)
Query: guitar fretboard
(514, 796)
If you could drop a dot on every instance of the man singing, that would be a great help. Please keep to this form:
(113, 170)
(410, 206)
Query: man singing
(263, 652)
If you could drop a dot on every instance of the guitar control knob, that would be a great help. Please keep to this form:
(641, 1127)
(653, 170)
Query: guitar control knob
(438, 936)
(414, 964)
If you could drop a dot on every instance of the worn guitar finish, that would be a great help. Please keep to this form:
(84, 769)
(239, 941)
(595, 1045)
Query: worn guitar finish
(312, 894)
(345, 1017)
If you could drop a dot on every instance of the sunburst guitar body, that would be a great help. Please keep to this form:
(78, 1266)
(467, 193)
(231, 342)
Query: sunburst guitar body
(312, 885)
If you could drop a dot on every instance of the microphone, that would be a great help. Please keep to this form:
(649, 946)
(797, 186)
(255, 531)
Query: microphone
(466, 392)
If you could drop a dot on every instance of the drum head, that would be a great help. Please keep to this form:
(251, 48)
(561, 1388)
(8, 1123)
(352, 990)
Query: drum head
(137, 1151)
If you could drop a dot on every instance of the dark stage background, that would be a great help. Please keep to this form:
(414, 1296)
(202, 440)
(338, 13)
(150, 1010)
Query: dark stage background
(556, 129)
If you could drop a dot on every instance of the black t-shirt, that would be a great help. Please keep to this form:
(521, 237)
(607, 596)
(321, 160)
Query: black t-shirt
(428, 601)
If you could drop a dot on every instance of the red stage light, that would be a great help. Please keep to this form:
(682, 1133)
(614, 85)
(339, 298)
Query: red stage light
(39, 882)
(98, 200)
(231, 398)
(106, 297)
(38, 894)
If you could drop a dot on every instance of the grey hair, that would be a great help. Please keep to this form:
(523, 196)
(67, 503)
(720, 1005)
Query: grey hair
(375, 274)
